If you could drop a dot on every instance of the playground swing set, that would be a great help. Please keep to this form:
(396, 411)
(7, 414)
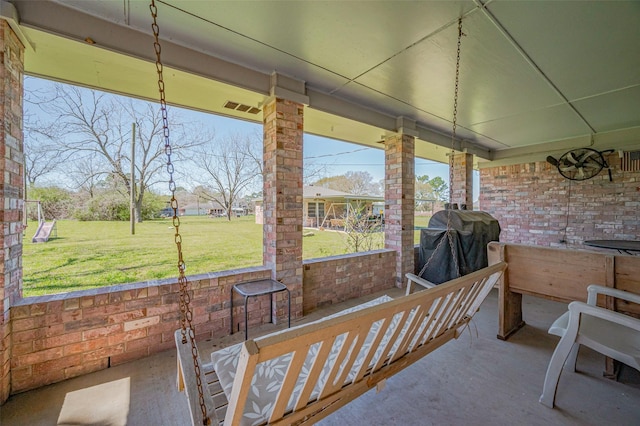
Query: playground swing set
(45, 229)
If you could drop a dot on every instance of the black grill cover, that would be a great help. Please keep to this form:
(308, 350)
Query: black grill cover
(471, 231)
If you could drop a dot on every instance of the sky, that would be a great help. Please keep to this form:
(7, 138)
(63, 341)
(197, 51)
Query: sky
(336, 157)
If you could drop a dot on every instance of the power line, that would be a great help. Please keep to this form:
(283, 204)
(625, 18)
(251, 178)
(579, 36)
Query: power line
(435, 163)
(337, 153)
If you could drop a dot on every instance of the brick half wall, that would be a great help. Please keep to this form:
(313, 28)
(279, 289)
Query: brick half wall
(61, 336)
(67, 335)
(336, 279)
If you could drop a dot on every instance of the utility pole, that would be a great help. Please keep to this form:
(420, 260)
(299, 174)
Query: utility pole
(133, 179)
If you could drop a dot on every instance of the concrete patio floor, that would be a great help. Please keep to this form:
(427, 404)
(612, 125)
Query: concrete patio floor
(476, 380)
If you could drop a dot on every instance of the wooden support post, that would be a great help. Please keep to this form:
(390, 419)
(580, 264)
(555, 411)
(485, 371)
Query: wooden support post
(509, 303)
(611, 366)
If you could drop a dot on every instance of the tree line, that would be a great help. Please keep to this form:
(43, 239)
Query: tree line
(78, 156)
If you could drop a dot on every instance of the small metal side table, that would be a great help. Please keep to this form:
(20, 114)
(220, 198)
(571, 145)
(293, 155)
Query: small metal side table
(258, 288)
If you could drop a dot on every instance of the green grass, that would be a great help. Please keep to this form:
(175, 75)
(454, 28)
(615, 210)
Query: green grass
(421, 221)
(87, 255)
(94, 254)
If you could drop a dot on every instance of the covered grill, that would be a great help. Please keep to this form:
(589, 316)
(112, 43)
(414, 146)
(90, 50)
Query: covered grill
(471, 231)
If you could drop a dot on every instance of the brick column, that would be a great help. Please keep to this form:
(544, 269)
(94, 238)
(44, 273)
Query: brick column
(11, 182)
(399, 197)
(282, 229)
(463, 180)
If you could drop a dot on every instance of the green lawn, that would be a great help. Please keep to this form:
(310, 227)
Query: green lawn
(94, 254)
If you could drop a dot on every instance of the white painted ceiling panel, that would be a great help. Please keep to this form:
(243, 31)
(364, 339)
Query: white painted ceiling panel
(584, 47)
(532, 72)
(347, 38)
(552, 124)
(612, 111)
(495, 81)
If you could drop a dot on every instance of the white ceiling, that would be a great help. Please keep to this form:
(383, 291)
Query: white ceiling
(537, 77)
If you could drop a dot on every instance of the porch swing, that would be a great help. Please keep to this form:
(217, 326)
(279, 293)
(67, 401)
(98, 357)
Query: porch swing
(305, 373)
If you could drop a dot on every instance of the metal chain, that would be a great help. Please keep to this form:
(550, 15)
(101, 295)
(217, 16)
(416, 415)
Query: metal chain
(451, 164)
(455, 113)
(185, 299)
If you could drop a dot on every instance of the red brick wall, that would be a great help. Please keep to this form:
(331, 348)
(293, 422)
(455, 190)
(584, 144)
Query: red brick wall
(11, 179)
(531, 202)
(62, 336)
(339, 278)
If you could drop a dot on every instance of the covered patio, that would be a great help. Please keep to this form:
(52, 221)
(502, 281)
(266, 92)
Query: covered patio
(537, 80)
(474, 380)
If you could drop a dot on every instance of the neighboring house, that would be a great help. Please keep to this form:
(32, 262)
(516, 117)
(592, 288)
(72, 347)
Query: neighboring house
(215, 209)
(219, 211)
(195, 209)
(203, 208)
(327, 208)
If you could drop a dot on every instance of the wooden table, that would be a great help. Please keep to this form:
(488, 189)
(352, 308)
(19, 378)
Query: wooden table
(623, 246)
(258, 288)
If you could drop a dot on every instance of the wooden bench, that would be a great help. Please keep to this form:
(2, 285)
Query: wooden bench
(303, 374)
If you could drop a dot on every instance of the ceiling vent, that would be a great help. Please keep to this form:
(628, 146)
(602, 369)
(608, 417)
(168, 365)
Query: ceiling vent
(241, 107)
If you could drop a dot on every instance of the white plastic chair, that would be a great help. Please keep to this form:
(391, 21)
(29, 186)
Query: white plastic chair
(611, 333)
(412, 278)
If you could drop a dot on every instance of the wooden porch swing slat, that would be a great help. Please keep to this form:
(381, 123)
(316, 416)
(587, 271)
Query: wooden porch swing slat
(330, 362)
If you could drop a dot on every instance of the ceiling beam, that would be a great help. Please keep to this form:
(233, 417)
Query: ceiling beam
(625, 139)
(9, 13)
(78, 26)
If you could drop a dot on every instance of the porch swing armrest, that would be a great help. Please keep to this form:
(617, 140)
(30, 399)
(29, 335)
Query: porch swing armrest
(187, 381)
(412, 278)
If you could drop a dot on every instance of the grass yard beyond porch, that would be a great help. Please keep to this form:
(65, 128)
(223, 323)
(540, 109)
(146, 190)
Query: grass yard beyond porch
(87, 255)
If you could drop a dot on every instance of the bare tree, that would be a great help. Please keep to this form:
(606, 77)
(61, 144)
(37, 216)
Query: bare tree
(312, 172)
(362, 232)
(228, 166)
(357, 183)
(87, 174)
(96, 127)
(41, 155)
